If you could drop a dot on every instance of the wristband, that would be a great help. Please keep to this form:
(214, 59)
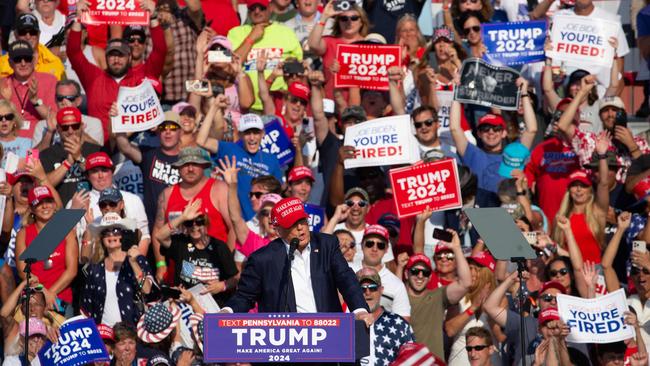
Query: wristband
(522, 193)
(601, 156)
(469, 311)
(66, 164)
(161, 264)
(249, 42)
(321, 23)
(524, 95)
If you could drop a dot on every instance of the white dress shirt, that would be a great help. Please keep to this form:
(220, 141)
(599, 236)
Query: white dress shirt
(301, 279)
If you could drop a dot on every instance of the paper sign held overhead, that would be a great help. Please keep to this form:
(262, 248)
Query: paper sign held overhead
(276, 142)
(582, 41)
(598, 320)
(365, 66)
(382, 141)
(118, 12)
(487, 85)
(138, 109)
(435, 185)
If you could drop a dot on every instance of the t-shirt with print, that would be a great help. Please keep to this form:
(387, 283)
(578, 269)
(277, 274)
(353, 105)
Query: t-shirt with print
(388, 333)
(18, 146)
(486, 168)
(251, 166)
(53, 156)
(194, 266)
(157, 174)
(384, 14)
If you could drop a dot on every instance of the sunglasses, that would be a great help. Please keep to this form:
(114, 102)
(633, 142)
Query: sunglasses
(135, 39)
(372, 287)
(416, 271)
(168, 127)
(104, 204)
(371, 243)
(199, 221)
(115, 231)
(429, 122)
(345, 18)
(476, 348)
(69, 98)
(636, 271)
(7, 117)
(264, 213)
(447, 256)
(256, 7)
(19, 59)
(292, 75)
(469, 1)
(74, 126)
(561, 272)
(361, 203)
(475, 29)
(548, 297)
(31, 32)
(486, 128)
(298, 100)
(255, 194)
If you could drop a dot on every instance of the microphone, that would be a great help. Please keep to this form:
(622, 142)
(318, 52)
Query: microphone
(293, 245)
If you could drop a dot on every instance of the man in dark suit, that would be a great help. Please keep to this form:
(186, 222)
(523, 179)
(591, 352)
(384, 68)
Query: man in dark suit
(316, 272)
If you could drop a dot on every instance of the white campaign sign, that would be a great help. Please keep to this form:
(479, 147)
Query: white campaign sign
(382, 141)
(138, 109)
(580, 40)
(598, 320)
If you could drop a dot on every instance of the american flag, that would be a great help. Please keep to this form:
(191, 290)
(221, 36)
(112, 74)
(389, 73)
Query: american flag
(389, 333)
(194, 272)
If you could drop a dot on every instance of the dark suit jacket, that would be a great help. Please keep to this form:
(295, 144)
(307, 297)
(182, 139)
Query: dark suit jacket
(264, 279)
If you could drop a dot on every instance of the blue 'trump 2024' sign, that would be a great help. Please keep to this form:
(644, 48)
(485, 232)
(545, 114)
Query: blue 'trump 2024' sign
(283, 337)
(516, 43)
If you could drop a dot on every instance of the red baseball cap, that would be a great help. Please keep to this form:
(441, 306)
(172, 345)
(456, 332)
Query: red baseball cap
(580, 176)
(641, 190)
(300, 172)
(36, 195)
(418, 258)
(98, 159)
(106, 332)
(299, 90)
(484, 259)
(547, 315)
(68, 115)
(264, 3)
(552, 284)
(376, 230)
(13, 178)
(287, 212)
(493, 120)
(441, 247)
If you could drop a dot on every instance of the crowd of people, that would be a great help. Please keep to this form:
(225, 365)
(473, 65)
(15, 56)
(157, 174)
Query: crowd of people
(197, 203)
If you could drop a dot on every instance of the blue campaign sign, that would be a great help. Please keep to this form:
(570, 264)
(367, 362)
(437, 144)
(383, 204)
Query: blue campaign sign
(316, 216)
(79, 343)
(279, 337)
(516, 43)
(276, 142)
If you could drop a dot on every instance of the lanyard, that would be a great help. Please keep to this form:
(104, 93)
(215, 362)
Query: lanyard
(22, 100)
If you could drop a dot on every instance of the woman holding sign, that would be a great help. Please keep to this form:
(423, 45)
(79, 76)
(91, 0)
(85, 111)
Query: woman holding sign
(349, 26)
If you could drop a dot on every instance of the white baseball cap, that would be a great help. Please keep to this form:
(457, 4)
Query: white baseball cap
(250, 120)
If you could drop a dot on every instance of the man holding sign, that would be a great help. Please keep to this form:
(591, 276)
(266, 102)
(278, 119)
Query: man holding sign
(102, 85)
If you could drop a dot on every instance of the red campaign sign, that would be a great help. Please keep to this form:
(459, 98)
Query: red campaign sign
(434, 185)
(365, 66)
(119, 12)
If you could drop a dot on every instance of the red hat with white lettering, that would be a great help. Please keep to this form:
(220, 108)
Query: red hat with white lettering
(36, 195)
(299, 90)
(581, 177)
(98, 159)
(548, 315)
(287, 212)
(418, 258)
(641, 190)
(376, 230)
(300, 172)
(484, 259)
(68, 115)
(493, 120)
(264, 3)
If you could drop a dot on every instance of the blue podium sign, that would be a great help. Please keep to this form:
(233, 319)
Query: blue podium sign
(279, 337)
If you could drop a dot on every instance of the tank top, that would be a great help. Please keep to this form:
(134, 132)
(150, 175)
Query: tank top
(585, 238)
(48, 277)
(176, 204)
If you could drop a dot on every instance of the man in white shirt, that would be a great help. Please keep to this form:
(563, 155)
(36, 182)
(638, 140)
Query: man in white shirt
(375, 243)
(67, 94)
(99, 172)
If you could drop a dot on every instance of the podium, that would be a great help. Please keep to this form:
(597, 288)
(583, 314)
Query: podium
(284, 337)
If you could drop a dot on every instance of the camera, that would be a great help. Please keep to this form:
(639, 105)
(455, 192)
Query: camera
(193, 86)
(342, 5)
(217, 89)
